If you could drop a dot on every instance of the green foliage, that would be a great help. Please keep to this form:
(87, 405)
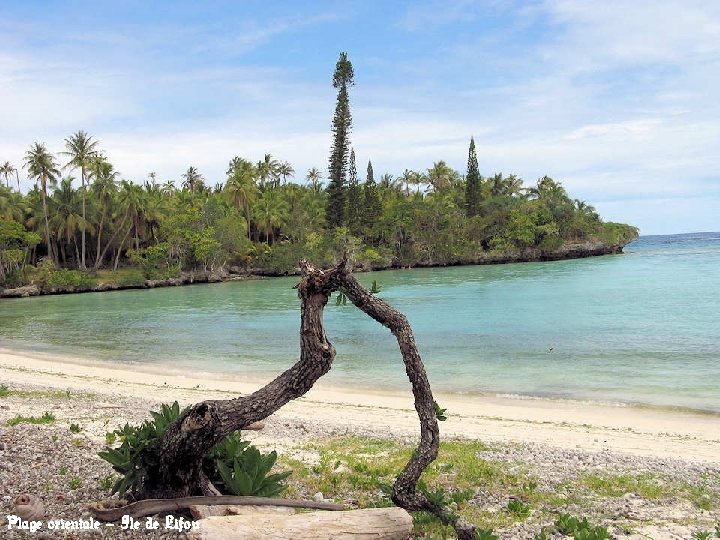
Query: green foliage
(472, 185)
(232, 463)
(75, 428)
(374, 289)
(339, 154)
(518, 508)
(580, 529)
(249, 474)
(485, 534)
(4, 390)
(15, 242)
(702, 535)
(74, 483)
(46, 418)
(439, 412)
(62, 277)
(106, 483)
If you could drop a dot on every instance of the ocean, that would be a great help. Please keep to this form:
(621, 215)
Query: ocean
(640, 328)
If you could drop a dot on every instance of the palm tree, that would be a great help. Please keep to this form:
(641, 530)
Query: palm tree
(440, 176)
(193, 180)
(285, 170)
(7, 170)
(104, 188)
(81, 150)
(314, 176)
(240, 188)
(267, 170)
(66, 218)
(168, 188)
(42, 166)
(270, 214)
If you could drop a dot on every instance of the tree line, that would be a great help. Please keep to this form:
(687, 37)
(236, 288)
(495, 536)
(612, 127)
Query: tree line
(260, 219)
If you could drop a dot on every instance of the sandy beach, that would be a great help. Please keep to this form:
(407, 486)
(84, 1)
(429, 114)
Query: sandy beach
(555, 442)
(563, 424)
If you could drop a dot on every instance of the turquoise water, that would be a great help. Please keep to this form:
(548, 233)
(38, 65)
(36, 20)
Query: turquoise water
(643, 327)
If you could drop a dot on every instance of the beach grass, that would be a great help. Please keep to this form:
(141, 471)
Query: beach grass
(491, 493)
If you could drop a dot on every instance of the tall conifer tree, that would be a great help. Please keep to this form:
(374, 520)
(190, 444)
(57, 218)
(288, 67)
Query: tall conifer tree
(472, 185)
(372, 207)
(354, 197)
(341, 126)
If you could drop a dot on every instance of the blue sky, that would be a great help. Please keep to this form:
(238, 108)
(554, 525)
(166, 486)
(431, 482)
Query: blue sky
(616, 99)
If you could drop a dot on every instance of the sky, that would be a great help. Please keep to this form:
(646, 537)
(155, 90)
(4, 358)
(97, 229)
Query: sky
(617, 100)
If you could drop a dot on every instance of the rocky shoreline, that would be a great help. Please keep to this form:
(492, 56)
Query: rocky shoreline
(59, 464)
(564, 252)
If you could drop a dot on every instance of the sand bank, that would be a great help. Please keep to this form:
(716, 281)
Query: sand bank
(561, 424)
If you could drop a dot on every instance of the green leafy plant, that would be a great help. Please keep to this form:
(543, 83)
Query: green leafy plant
(485, 534)
(439, 412)
(46, 418)
(249, 475)
(580, 529)
(702, 535)
(542, 535)
(63, 470)
(74, 482)
(74, 428)
(518, 508)
(341, 299)
(107, 482)
(232, 464)
(4, 390)
(374, 289)
(110, 437)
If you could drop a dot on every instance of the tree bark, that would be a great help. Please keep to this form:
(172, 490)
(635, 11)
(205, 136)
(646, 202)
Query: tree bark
(179, 473)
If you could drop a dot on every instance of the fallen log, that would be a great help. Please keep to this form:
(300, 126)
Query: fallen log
(148, 507)
(365, 524)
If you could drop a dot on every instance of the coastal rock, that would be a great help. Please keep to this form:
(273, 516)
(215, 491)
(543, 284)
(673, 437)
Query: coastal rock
(20, 292)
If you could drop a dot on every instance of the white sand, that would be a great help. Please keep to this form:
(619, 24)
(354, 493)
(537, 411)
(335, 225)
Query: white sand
(563, 424)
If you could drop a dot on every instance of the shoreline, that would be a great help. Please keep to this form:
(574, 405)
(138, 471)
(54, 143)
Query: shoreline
(564, 424)
(567, 251)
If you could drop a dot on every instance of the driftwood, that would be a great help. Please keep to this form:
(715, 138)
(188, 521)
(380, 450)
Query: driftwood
(148, 507)
(179, 473)
(367, 524)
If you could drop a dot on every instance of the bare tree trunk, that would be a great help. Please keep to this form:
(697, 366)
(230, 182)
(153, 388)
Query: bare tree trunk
(180, 474)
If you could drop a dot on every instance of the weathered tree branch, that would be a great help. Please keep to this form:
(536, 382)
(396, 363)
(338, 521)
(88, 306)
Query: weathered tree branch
(188, 440)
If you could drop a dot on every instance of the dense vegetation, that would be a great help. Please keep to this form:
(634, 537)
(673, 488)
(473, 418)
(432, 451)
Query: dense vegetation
(258, 219)
(63, 231)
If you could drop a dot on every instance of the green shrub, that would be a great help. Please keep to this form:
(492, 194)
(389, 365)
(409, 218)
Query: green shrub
(46, 418)
(233, 464)
(130, 278)
(518, 508)
(68, 278)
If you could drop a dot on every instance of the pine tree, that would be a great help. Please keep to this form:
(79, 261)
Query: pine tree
(354, 198)
(472, 185)
(372, 207)
(341, 126)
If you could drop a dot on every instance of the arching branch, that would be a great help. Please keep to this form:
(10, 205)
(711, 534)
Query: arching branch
(186, 442)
